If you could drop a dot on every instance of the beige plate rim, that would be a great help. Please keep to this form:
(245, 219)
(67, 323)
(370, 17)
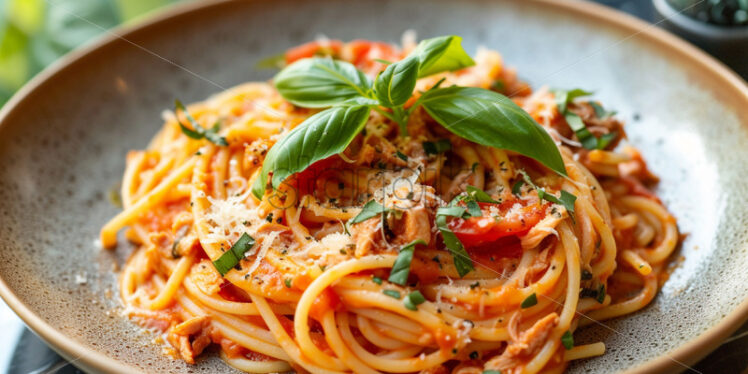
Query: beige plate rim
(687, 354)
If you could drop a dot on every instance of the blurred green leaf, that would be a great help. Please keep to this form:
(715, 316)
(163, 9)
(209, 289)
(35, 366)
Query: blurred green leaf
(27, 15)
(14, 66)
(35, 33)
(70, 23)
(130, 9)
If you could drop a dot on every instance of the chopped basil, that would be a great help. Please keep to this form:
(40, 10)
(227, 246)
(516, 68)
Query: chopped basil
(530, 301)
(567, 340)
(451, 211)
(392, 293)
(376, 280)
(517, 187)
(474, 285)
(287, 282)
(463, 262)
(413, 299)
(439, 146)
(401, 156)
(584, 135)
(197, 131)
(601, 112)
(491, 372)
(606, 139)
(601, 294)
(401, 268)
(474, 209)
(588, 140)
(231, 258)
(479, 195)
(567, 199)
(370, 210)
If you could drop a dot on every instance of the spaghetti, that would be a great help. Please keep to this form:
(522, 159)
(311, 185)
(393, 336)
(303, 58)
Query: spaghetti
(326, 286)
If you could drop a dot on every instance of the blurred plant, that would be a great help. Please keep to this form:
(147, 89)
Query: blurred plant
(34, 33)
(718, 12)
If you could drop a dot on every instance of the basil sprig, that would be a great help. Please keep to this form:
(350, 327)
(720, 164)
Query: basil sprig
(586, 138)
(478, 115)
(198, 132)
(231, 258)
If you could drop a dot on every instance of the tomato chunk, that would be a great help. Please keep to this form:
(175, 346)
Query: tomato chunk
(498, 221)
(311, 49)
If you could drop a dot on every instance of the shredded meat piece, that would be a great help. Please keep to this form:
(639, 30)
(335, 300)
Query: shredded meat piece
(206, 277)
(415, 224)
(327, 229)
(459, 183)
(366, 235)
(528, 343)
(191, 337)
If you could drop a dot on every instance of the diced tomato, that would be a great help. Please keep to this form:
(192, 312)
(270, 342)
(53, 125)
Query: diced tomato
(364, 53)
(328, 47)
(327, 300)
(477, 231)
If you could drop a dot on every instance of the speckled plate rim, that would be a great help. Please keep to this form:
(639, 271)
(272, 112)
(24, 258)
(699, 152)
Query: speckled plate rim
(674, 361)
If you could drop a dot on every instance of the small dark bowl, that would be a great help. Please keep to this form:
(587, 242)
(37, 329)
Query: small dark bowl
(728, 43)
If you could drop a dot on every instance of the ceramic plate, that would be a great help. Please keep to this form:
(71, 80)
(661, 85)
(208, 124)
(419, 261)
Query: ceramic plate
(64, 137)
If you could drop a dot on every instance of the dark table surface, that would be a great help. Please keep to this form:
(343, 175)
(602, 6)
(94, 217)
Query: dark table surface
(24, 353)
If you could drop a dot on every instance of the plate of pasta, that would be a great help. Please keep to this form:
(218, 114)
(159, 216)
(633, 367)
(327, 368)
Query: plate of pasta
(522, 187)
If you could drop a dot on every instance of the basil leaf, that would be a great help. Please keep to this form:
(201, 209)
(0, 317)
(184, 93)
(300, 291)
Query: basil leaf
(320, 136)
(530, 301)
(370, 210)
(231, 258)
(440, 54)
(584, 135)
(321, 82)
(401, 267)
(394, 86)
(463, 262)
(491, 119)
(480, 195)
(434, 148)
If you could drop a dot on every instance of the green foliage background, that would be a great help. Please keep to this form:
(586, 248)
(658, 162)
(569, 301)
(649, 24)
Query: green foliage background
(34, 33)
